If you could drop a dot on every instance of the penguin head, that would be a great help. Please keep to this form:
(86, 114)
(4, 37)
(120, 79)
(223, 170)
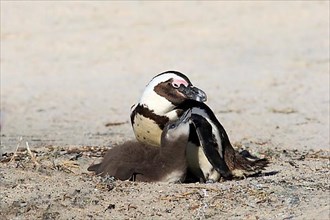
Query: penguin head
(169, 89)
(177, 130)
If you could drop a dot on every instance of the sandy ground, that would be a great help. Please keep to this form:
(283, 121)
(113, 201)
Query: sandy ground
(68, 69)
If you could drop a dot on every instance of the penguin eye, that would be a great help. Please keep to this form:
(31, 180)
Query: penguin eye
(175, 85)
(172, 126)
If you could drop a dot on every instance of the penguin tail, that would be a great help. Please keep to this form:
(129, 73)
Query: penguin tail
(248, 165)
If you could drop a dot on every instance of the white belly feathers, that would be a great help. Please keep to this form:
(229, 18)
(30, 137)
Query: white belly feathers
(147, 131)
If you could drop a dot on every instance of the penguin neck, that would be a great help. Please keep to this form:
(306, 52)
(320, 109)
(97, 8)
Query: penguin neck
(156, 103)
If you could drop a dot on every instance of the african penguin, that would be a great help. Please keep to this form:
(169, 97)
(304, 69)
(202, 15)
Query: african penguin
(212, 155)
(158, 105)
(140, 162)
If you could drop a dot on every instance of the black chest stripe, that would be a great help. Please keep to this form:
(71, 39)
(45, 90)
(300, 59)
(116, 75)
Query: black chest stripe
(161, 121)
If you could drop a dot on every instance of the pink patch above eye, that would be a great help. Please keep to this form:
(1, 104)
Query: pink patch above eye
(179, 82)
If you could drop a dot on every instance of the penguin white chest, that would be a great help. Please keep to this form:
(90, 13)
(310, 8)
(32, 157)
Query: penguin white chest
(147, 130)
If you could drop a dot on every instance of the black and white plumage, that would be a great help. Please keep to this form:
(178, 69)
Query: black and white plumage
(212, 155)
(140, 162)
(158, 105)
(164, 99)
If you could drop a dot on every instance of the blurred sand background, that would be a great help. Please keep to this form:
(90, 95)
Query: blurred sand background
(70, 68)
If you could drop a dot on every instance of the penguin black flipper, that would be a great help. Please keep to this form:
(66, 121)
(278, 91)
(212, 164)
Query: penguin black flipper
(210, 145)
(239, 164)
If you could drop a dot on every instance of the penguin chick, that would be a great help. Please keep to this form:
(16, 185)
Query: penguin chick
(212, 155)
(158, 105)
(140, 162)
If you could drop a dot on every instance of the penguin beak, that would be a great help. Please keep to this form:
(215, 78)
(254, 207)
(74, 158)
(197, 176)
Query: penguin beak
(193, 93)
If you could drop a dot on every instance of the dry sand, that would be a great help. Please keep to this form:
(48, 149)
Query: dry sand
(68, 69)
